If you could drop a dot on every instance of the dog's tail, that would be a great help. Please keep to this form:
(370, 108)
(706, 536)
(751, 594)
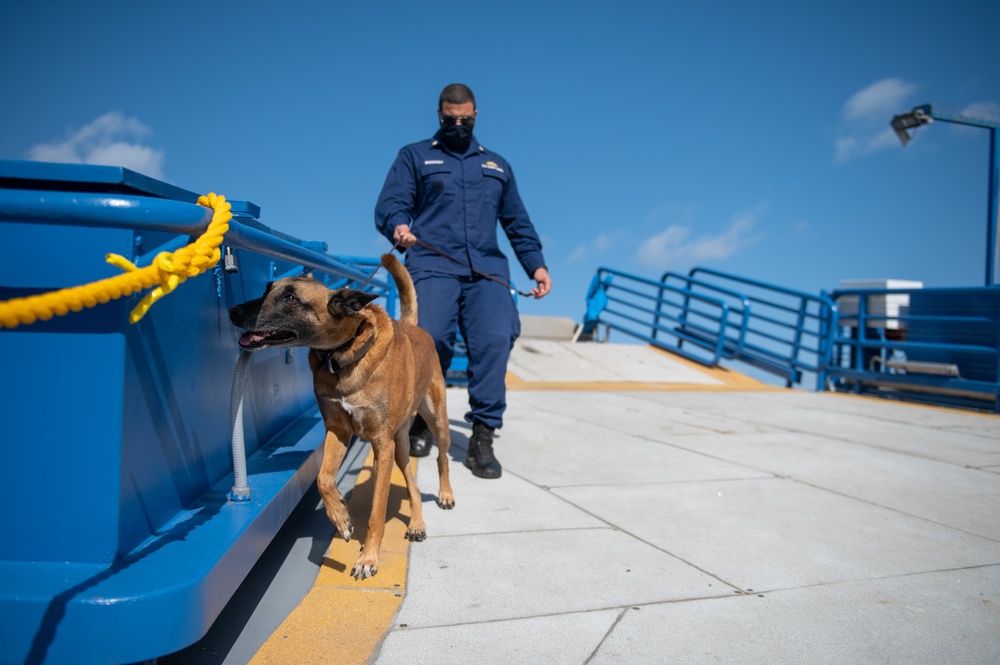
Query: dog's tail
(407, 294)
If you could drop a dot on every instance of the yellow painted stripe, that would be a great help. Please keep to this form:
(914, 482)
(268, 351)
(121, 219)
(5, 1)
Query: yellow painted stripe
(343, 620)
(919, 405)
(728, 380)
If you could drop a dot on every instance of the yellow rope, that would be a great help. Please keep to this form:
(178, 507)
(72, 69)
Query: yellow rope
(166, 272)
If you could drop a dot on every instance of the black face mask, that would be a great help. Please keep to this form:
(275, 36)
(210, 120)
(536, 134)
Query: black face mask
(456, 137)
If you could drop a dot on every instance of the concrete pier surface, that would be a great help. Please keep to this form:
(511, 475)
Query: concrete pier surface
(652, 511)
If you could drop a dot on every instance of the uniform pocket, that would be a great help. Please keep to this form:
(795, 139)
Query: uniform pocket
(493, 185)
(437, 183)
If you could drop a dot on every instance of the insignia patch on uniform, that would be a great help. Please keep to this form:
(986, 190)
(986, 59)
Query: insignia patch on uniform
(433, 161)
(492, 166)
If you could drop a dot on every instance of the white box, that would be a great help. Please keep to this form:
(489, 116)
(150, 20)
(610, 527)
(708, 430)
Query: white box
(888, 304)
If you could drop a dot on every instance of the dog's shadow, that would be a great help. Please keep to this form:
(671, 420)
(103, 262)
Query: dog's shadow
(308, 521)
(456, 452)
(459, 441)
(365, 490)
(364, 493)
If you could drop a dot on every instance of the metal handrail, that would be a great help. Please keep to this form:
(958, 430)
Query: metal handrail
(790, 332)
(712, 338)
(965, 341)
(752, 331)
(744, 311)
(823, 320)
(143, 213)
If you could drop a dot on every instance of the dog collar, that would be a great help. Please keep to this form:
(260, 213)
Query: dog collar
(326, 357)
(333, 366)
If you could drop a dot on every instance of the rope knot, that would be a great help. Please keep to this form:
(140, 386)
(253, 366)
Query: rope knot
(166, 272)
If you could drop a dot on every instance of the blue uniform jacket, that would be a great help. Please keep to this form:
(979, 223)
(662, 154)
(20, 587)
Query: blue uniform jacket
(453, 202)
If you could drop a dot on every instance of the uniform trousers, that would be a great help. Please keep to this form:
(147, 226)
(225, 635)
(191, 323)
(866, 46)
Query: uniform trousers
(485, 314)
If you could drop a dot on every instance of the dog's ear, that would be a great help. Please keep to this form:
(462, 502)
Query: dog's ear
(348, 302)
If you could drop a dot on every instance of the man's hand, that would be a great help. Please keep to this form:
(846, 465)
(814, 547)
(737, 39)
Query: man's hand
(402, 236)
(544, 282)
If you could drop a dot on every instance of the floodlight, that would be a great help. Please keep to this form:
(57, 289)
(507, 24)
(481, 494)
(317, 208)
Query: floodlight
(913, 119)
(925, 115)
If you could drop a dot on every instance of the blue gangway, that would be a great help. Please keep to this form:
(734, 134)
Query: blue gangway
(120, 542)
(710, 316)
(936, 345)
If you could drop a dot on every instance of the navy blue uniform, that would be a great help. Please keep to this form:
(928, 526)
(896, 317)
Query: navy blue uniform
(453, 202)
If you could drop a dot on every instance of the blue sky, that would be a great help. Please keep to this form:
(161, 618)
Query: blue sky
(646, 136)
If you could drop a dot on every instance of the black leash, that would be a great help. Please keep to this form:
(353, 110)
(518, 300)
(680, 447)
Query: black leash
(362, 287)
(450, 258)
(464, 265)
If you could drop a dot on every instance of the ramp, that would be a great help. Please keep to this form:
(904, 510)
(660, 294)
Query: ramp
(537, 363)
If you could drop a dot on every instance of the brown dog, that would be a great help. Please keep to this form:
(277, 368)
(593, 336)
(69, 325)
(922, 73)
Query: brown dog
(371, 375)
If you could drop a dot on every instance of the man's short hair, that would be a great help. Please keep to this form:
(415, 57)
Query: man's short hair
(456, 93)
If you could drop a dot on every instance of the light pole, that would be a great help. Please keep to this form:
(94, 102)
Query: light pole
(925, 115)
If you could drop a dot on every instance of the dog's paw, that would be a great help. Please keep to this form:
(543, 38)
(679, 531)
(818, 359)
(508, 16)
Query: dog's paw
(364, 569)
(346, 531)
(339, 516)
(446, 501)
(416, 535)
(364, 572)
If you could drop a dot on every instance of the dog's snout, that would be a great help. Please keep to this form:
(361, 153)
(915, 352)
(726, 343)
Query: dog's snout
(245, 314)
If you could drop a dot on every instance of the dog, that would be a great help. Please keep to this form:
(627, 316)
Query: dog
(371, 375)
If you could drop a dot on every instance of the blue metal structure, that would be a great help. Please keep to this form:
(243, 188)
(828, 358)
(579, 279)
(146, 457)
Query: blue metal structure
(119, 542)
(924, 115)
(942, 347)
(784, 332)
(709, 315)
(658, 313)
(457, 374)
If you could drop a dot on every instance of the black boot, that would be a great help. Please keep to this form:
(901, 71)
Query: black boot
(420, 438)
(480, 458)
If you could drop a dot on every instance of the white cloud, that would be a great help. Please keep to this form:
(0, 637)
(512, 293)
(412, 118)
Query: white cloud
(598, 245)
(578, 254)
(111, 140)
(675, 247)
(983, 111)
(867, 114)
(602, 242)
(864, 143)
(883, 98)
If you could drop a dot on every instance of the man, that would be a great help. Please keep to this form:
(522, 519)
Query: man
(449, 192)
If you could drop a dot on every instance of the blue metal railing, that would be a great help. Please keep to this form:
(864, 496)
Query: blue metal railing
(142, 214)
(709, 315)
(661, 314)
(940, 345)
(936, 344)
(787, 331)
(739, 309)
